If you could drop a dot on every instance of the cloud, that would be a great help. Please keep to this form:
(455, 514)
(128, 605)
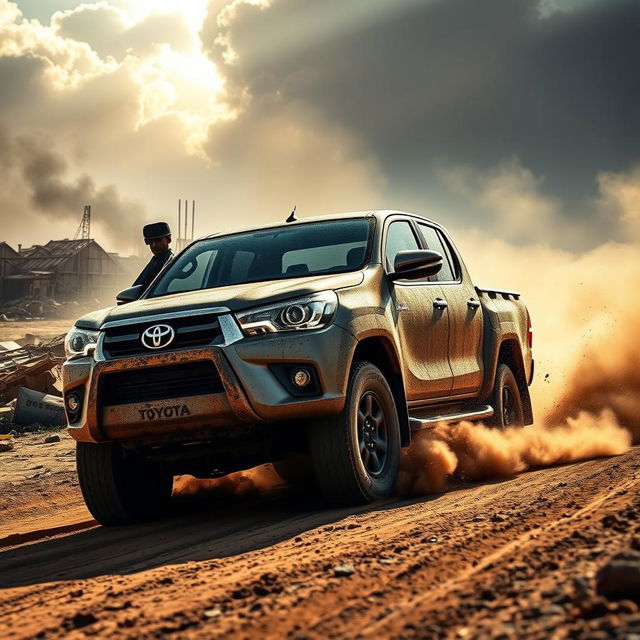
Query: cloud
(163, 123)
(620, 194)
(278, 155)
(158, 59)
(224, 19)
(158, 125)
(66, 62)
(460, 82)
(547, 8)
(511, 202)
(508, 198)
(109, 32)
(484, 113)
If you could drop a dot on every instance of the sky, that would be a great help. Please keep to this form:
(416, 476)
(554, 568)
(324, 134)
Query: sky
(516, 120)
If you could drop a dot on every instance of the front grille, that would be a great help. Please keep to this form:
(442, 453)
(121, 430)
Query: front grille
(190, 331)
(159, 383)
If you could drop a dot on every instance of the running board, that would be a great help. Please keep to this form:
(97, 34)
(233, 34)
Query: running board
(416, 424)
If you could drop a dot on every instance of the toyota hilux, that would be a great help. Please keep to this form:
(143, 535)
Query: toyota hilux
(327, 340)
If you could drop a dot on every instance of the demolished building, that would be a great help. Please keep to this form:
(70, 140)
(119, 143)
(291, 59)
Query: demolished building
(61, 270)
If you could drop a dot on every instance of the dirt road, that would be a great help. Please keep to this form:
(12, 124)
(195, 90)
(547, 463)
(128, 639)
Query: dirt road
(513, 558)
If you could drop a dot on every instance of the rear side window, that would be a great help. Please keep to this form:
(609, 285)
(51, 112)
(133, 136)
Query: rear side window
(434, 241)
(400, 237)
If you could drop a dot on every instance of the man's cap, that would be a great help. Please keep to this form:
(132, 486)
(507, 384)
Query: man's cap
(155, 230)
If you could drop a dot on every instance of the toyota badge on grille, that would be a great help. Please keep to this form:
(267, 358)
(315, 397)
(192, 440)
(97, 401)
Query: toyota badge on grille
(158, 336)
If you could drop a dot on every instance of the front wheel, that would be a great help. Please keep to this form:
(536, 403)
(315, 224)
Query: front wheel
(121, 487)
(507, 402)
(356, 454)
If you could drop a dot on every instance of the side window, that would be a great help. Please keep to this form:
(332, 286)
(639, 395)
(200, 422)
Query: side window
(193, 274)
(434, 242)
(400, 237)
(455, 267)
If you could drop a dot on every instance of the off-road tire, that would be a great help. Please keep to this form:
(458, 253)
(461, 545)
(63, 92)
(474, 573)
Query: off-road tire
(121, 487)
(343, 471)
(507, 402)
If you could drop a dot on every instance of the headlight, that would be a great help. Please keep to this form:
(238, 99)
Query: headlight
(313, 312)
(78, 342)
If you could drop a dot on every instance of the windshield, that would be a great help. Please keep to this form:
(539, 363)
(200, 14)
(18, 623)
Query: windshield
(300, 250)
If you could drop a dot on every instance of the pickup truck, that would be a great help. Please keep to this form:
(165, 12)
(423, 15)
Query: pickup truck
(328, 340)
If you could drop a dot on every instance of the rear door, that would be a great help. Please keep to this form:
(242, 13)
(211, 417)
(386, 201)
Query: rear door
(465, 314)
(422, 321)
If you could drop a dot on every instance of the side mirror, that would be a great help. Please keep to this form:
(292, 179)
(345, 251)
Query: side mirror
(130, 294)
(414, 264)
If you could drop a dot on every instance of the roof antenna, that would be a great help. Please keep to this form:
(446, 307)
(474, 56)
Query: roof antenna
(292, 215)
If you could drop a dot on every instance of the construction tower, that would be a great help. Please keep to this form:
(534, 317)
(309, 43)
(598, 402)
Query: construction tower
(84, 229)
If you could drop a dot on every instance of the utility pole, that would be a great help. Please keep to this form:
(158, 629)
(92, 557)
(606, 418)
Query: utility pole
(179, 225)
(183, 238)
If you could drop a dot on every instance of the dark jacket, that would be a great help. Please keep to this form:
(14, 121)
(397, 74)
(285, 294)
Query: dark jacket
(153, 268)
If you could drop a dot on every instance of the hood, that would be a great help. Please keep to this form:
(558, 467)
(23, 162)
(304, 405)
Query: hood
(234, 297)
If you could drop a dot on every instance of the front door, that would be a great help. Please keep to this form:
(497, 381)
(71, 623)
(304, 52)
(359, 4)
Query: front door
(422, 321)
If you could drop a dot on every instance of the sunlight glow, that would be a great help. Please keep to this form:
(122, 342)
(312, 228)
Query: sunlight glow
(193, 11)
(188, 87)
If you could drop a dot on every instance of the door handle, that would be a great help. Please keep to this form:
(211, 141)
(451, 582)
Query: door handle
(473, 303)
(439, 303)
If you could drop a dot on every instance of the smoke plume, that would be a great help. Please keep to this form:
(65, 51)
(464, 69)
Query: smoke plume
(40, 174)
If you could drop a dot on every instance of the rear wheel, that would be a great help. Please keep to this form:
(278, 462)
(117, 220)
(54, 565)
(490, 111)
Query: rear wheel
(121, 487)
(507, 402)
(356, 453)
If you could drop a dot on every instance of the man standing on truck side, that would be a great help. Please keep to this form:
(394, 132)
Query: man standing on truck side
(158, 236)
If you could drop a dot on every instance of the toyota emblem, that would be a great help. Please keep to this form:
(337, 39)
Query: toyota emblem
(158, 336)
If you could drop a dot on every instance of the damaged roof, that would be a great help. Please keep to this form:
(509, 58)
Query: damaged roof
(52, 255)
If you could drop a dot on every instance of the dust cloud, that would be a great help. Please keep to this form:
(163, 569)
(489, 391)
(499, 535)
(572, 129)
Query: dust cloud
(472, 452)
(587, 387)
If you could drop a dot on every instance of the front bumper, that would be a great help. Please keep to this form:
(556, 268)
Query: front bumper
(251, 393)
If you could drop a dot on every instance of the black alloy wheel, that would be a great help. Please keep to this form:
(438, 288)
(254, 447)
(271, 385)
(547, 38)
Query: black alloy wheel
(373, 434)
(508, 407)
(356, 453)
(507, 402)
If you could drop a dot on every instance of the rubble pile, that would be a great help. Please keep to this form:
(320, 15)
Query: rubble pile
(29, 309)
(30, 382)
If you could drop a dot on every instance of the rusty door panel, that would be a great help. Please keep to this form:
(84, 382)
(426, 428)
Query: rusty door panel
(424, 340)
